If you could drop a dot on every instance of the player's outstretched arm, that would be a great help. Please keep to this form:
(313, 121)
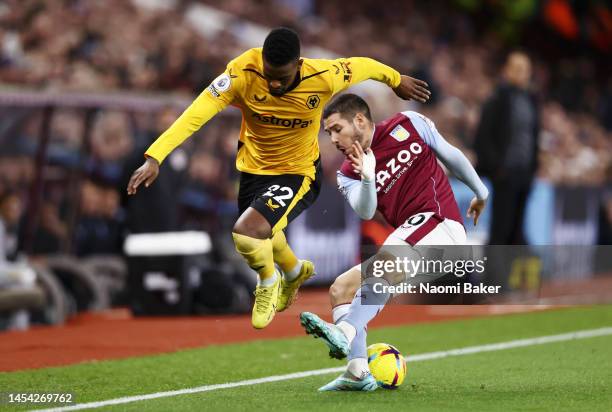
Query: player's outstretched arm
(203, 108)
(454, 160)
(218, 95)
(460, 166)
(353, 70)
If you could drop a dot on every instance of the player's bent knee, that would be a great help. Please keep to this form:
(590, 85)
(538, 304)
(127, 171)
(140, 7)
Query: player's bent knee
(252, 224)
(249, 230)
(337, 294)
(344, 288)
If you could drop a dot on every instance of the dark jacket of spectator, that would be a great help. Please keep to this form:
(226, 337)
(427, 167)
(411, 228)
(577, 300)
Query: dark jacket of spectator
(497, 131)
(156, 208)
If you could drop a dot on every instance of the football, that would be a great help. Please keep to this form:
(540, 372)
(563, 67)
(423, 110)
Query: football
(387, 365)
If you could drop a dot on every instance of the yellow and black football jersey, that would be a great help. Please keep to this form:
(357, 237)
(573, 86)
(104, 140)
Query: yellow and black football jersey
(279, 133)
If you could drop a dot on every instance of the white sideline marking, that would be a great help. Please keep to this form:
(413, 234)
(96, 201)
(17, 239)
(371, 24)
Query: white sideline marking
(520, 343)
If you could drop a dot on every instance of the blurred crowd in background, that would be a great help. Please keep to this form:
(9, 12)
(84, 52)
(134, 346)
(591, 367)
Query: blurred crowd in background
(89, 45)
(102, 45)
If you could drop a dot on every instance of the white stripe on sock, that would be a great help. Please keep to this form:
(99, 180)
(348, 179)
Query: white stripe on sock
(270, 281)
(340, 311)
(348, 330)
(295, 272)
(358, 367)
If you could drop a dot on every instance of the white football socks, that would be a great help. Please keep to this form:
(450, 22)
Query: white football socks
(358, 367)
(294, 273)
(338, 312)
(348, 330)
(268, 282)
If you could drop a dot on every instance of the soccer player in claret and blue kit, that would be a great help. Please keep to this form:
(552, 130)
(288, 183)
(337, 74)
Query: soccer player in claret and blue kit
(281, 96)
(391, 167)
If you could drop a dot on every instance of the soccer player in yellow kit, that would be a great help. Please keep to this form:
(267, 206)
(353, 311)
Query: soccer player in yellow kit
(281, 97)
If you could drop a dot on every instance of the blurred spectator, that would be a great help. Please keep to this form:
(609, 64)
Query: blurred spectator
(13, 274)
(111, 140)
(11, 210)
(156, 208)
(605, 213)
(16, 171)
(98, 230)
(507, 147)
(52, 231)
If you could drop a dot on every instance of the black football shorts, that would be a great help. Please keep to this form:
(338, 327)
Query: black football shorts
(279, 198)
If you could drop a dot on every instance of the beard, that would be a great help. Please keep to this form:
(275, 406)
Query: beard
(357, 137)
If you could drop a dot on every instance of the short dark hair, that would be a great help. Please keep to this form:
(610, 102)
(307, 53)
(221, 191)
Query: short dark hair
(282, 46)
(347, 106)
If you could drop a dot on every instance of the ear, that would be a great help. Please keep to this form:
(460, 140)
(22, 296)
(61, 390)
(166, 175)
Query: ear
(360, 121)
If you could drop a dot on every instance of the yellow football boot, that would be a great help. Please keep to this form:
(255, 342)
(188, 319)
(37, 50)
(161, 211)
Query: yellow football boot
(264, 309)
(289, 289)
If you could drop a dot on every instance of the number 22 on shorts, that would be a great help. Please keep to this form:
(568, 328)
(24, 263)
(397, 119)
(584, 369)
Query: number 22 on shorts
(286, 193)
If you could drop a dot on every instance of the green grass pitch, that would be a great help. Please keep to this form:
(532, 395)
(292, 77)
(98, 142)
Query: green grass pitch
(569, 375)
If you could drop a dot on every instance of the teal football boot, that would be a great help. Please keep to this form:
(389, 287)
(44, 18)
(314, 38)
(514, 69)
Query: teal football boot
(348, 383)
(331, 334)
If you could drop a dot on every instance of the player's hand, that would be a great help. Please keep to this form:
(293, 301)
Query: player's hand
(411, 88)
(146, 173)
(364, 163)
(475, 209)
